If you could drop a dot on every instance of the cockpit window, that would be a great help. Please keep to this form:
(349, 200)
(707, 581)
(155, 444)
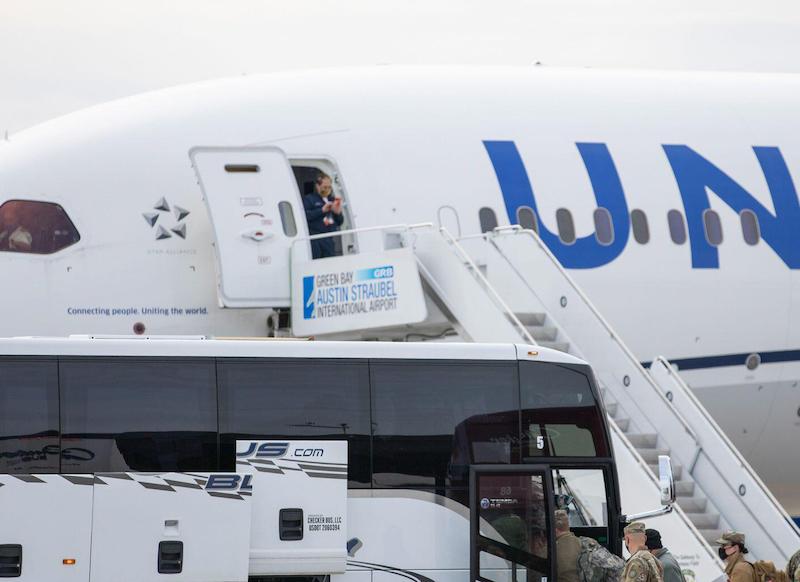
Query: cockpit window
(30, 226)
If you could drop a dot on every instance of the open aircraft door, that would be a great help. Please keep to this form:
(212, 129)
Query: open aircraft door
(511, 524)
(255, 211)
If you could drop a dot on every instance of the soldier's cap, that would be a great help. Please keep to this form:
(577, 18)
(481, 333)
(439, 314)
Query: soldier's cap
(637, 527)
(731, 537)
(653, 539)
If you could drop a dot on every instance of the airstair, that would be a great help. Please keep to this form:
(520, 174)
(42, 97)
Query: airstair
(655, 412)
(506, 286)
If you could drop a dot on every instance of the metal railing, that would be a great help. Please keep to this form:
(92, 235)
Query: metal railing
(725, 460)
(492, 292)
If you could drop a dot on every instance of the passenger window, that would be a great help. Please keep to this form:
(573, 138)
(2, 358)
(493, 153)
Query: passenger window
(138, 414)
(677, 228)
(641, 231)
(566, 228)
(712, 227)
(29, 226)
(560, 416)
(327, 400)
(487, 218)
(526, 218)
(287, 218)
(29, 438)
(603, 227)
(431, 420)
(750, 228)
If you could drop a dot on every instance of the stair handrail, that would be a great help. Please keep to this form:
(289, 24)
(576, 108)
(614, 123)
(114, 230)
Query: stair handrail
(507, 311)
(675, 508)
(716, 430)
(516, 229)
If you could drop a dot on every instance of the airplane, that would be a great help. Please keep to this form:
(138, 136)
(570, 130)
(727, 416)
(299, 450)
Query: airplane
(669, 197)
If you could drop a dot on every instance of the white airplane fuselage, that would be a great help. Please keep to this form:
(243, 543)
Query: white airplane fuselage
(438, 145)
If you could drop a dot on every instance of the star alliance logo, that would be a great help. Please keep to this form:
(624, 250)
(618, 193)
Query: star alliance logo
(164, 210)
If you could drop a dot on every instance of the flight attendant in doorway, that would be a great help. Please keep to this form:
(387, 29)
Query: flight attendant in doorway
(324, 215)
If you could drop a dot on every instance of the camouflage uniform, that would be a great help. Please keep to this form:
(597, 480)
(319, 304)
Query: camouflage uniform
(641, 566)
(793, 567)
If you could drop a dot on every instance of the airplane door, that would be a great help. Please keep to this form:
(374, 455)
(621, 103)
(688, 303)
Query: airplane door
(255, 211)
(511, 531)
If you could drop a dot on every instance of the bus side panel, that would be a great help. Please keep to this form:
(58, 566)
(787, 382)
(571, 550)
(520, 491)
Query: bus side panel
(51, 517)
(133, 513)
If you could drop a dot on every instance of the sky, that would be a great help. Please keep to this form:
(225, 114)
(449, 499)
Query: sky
(58, 56)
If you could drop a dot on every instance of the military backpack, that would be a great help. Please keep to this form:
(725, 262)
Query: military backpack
(597, 564)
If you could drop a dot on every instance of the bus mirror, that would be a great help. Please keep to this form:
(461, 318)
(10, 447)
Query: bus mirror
(666, 480)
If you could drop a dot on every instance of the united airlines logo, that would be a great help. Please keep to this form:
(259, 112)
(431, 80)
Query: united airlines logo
(308, 297)
(696, 178)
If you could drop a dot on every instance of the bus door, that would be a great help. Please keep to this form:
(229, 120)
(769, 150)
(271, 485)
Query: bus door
(255, 211)
(511, 531)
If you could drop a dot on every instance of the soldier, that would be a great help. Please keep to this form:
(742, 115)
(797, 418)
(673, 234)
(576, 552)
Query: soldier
(793, 567)
(732, 551)
(568, 548)
(641, 566)
(672, 570)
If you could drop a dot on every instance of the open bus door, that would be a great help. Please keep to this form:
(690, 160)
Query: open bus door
(511, 531)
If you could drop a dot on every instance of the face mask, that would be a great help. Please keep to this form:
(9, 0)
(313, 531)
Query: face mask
(723, 555)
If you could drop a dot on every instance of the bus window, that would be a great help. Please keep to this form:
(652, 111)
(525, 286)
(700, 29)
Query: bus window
(138, 414)
(29, 416)
(560, 416)
(327, 400)
(432, 419)
(582, 493)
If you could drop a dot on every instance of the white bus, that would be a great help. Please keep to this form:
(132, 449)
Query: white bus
(216, 460)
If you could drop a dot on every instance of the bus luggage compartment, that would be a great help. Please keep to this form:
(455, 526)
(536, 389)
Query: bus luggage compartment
(122, 527)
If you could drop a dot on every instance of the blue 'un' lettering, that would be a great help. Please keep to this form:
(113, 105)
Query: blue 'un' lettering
(696, 175)
(586, 252)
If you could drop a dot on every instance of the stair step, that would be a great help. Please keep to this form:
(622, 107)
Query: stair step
(684, 488)
(710, 535)
(709, 520)
(532, 319)
(612, 408)
(643, 441)
(693, 504)
(650, 456)
(677, 469)
(560, 346)
(623, 423)
(542, 332)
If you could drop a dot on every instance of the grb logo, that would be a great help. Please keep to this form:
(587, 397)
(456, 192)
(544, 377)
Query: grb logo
(264, 450)
(308, 297)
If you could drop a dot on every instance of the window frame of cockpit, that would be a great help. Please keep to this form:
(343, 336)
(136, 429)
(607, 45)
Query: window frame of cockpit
(75, 225)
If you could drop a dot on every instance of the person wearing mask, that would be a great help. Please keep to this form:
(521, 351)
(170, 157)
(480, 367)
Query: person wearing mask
(672, 570)
(732, 551)
(641, 566)
(568, 548)
(324, 215)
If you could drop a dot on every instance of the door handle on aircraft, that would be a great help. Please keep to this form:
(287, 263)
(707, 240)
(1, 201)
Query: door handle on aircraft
(257, 234)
